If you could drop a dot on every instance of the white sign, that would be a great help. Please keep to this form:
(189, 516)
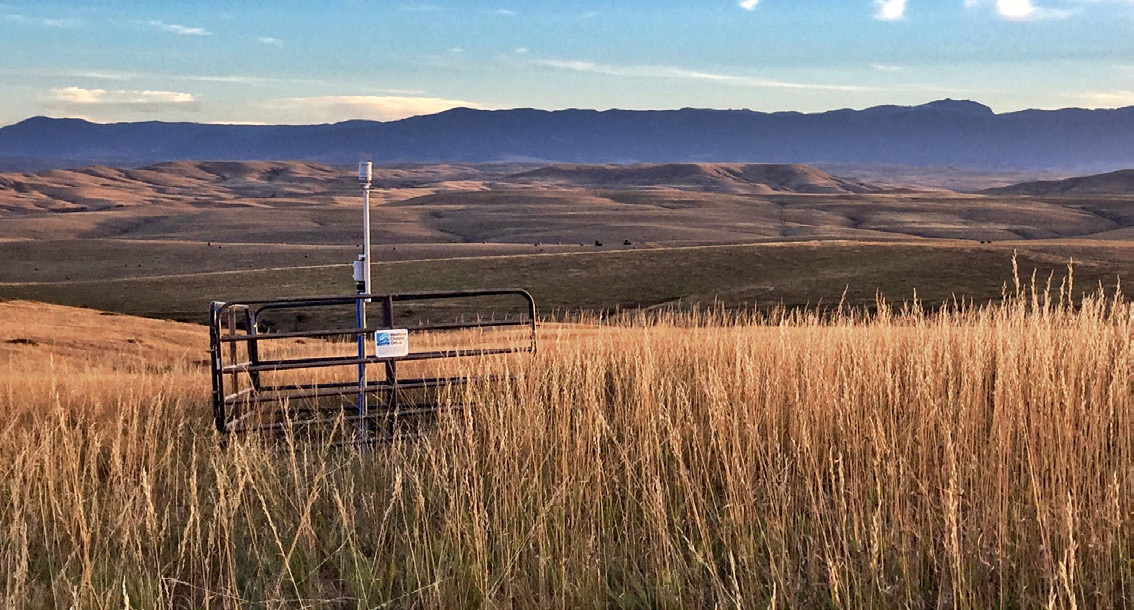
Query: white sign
(393, 343)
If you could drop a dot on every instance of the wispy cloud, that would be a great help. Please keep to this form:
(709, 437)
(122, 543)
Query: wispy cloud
(675, 72)
(1022, 10)
(504, 11)
(331, 108)
(126, 75)
(100, 74)
(180, 30)
(268, 40)
(890, 10)
(64, 22)
(121, 99)
(420, 8)
(237, 79)
(748, 5)
(887, 67)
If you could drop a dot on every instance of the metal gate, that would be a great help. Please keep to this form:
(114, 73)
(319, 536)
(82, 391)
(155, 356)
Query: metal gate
(268, 377)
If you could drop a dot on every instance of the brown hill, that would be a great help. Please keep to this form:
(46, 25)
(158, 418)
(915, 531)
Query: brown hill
(193, 184)
(196, 183)
(182, 182)
(711, 177)
(36, 333)
(1120, 182)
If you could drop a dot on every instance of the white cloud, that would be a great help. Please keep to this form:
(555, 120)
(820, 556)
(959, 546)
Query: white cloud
(331, 108)
(121, 75)
(224, 78)
(100, 74)
(674, 72)
(504, 11)
(64, 22)
(748, 5)
(521, 51)
(268, 40)
(180, 30)
(1023, 10)
(887, 67)
(125, 75)
(1015, 9)
(890, 10)
(121, 99)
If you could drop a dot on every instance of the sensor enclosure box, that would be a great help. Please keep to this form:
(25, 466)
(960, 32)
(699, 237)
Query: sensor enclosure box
(360, 269)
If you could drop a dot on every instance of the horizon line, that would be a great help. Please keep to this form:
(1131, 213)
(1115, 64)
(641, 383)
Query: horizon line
(553, 110)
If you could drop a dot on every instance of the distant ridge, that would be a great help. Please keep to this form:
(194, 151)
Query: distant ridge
(1120, 182)
(956, 133)
(716, 177)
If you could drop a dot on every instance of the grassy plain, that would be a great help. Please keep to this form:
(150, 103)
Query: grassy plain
(762, 276)
(959, 459)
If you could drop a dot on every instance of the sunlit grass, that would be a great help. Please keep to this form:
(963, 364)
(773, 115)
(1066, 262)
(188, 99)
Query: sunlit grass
(974, 457)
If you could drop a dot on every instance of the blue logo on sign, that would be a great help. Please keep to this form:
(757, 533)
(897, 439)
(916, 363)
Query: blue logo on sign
(382, 339)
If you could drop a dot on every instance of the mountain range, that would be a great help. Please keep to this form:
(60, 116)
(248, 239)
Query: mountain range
(954, 133)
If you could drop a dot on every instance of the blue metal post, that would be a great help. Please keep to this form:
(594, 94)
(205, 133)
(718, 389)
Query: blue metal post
(360, 317)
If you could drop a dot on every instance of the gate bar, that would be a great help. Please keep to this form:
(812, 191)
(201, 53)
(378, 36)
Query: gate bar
(242, 316)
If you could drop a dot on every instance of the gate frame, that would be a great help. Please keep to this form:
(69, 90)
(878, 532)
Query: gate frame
(248, 312)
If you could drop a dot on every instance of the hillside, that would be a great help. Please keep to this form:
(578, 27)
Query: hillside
(943, 133)
(34, 332)
(1113, 183)
(102, 187)
(709, 177)
(197, 184)
(183, 217)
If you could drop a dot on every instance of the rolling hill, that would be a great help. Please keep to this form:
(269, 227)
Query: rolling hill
(102, 187)
(1113, 183)
(261, 183)
(171, 219)
(708, 177)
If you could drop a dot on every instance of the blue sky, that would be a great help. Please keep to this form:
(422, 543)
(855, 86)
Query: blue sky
(313, 62)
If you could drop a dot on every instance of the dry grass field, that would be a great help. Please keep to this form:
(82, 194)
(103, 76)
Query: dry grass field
(737, 418)
(968, 458)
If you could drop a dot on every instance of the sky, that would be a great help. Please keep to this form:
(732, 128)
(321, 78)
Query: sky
(304, 62)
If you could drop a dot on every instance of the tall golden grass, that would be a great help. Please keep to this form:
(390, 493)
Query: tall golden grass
(973, 457)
